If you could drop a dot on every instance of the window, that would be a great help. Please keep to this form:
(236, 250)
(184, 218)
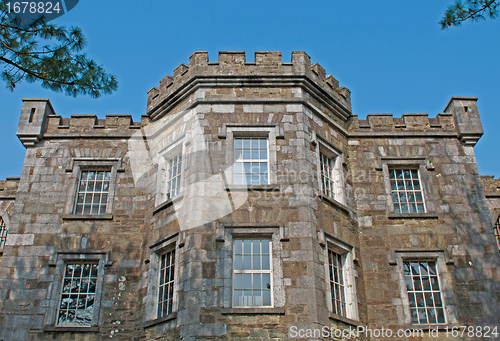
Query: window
(76, 307)
(424, 292)
(75, 295)
(251, 153)
(340, 286)
(496, 230)
(251, 161)
(3, 233)
(252, 285)
(252, 268)
(161, 301)
(337, 287)
(329, 170)
(406, 192)
(166, 284)
(327, 166)
(174, 176)
(93, 190)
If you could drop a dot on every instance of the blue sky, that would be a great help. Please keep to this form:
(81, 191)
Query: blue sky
(390, 54)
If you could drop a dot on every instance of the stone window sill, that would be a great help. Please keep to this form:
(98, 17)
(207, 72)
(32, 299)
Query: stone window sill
(253, 311)
(344, 319)
(334, 202)
(70, 329)
(88, 217)
(412, 216)
(167, 203)
(432, 326)
(154, 322)
(251, 188)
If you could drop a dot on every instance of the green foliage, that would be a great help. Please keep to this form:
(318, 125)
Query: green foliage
(50, 54)
(473, 10)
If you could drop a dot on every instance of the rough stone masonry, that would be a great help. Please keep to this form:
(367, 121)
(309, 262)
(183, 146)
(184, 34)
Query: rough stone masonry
(248, 203)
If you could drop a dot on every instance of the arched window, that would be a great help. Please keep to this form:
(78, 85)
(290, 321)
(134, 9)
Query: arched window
(3, 233)
(496, 229)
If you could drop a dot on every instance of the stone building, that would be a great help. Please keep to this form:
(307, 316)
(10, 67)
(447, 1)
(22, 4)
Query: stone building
(248, 203)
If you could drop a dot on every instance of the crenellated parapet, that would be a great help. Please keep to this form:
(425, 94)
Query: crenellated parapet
(386, 123)
(232, 69)
(8, 187)
(38, 120)
(460, 119)
(491, 186)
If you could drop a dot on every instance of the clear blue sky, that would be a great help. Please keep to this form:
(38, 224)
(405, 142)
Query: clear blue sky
(390, 54)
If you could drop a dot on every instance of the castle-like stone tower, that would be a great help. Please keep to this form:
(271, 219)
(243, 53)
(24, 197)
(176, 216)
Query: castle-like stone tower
(248, 203)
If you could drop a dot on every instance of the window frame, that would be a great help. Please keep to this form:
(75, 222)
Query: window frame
(398, 257)
(496, 231)
(423, 166)
(406, 191)
(170, 243)
(59, 260)
(243, 160)
(77, 165)
(226, 233)
(410, 260)
(324, 147)
(77, 193)
(67, 263)
(170, 151)
(331, 243)
(6, 221)
(232, 131)
(243, 272)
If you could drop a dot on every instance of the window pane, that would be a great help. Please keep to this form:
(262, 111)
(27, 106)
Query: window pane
(252, 279)
(423, 292)
(76, 309)
(238, 281)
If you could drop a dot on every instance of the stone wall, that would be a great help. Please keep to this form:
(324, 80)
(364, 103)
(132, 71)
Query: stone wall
(198, 113)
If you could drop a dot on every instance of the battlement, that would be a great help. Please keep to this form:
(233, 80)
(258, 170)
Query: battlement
(407, 122)
(233, 65)
(86, 123)
(38, 120)
(8, 187)
(491, 186)
(460, 119)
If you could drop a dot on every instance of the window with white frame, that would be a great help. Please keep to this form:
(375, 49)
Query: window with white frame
(166, 283)
(251, 159)
(330, 173)
(252, 270)
(162, 294)
(337, 285)
(496, 230)
(340, 278)
(174, 170)
(78, 295)
(327, 175)
(424, 292)
(92, 193)
(406, 191)
(3, 233)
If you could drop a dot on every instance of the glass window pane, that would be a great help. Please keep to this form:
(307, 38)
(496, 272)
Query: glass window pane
(247, 262)
(247, 281)
(265, 246)
(255, 143)
(238, 246)
(257, 281)
(238, 281)
(266, 299)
